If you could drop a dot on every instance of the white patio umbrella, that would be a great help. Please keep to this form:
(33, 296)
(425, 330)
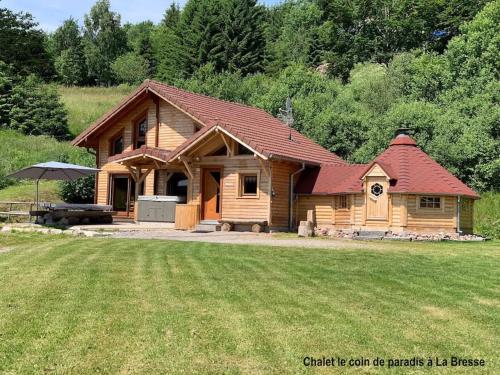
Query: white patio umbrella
(53, 170)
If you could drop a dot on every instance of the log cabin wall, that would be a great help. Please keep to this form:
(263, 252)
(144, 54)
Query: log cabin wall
(280, 201)
(175, 128)
(328, 211)
(431, 219)
(466, 215)
(126, 124)
(404, 213)
(233, 206)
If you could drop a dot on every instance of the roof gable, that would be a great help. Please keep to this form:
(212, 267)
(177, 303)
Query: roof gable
(251, 126)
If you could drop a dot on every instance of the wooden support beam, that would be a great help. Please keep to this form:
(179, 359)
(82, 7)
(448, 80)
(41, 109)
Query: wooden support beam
(144, 175)
(168, 176)
(264, 167)
(157, 125)
(228, 145)
(133, 172)
(186, 165)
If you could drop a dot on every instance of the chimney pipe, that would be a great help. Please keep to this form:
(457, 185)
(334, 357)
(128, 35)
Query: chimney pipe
(402, 131)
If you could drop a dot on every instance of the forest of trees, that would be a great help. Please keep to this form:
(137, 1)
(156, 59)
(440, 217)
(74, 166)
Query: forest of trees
(355, 70)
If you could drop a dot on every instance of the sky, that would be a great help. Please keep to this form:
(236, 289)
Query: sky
(51, 13)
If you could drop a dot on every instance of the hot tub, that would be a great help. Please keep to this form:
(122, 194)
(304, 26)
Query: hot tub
(158, 208)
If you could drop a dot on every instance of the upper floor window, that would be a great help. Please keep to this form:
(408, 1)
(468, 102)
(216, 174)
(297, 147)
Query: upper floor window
(430, 202)
(141, 127)
(116, 145)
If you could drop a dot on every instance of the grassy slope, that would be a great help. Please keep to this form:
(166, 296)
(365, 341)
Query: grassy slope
(19, 151)
(84, 106)
(87, 104)
(26, 192)
(120, 306)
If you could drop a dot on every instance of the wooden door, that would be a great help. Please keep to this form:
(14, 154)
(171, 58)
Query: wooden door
(211, 194)
(377, 203)
(122, 194)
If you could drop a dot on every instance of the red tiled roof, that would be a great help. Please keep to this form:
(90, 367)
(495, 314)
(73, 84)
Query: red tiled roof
(143, 151)
(418, 173)
(410, 169)
(331, 179)
(253, 126)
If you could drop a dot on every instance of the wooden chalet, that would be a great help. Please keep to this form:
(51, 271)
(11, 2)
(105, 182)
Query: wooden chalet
(238, 165)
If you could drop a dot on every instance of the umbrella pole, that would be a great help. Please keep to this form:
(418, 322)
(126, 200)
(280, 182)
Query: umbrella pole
(37, 195)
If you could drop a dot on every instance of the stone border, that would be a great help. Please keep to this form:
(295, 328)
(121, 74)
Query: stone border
(36, 228)
(402, 236)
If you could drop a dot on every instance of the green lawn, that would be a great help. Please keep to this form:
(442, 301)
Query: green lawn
(86, 306)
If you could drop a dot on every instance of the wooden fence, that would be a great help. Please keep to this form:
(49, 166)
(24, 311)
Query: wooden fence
(187, 216)
(16, 209)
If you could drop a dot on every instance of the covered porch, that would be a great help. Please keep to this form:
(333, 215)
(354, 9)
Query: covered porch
(153, 190)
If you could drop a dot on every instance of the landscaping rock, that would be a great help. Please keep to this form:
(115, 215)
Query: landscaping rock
(6, 229)
(226, 227)
(306, 229)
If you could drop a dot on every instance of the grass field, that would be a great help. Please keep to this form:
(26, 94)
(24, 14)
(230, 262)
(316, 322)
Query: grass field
(86, 306)
(87, 104)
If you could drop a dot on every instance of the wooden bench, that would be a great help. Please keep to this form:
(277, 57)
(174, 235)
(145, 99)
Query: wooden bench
(67, 217)
(257, 226)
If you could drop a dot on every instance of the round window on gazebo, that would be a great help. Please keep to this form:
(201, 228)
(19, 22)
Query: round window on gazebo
(377, 190)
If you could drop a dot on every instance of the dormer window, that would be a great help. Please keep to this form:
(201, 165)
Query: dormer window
(141, 127)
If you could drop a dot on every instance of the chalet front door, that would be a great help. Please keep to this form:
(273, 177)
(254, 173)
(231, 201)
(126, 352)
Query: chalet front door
(211, 194)
(377, 203)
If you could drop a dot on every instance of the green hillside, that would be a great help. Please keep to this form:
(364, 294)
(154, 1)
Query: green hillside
(87, 104)
(84, 106)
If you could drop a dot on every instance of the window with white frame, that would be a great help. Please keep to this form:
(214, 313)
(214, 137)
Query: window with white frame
(430, 202)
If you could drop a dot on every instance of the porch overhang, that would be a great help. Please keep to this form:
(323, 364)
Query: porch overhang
(144, 157)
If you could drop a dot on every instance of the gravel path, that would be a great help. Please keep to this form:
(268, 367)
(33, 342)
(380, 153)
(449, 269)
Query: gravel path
(264, 239)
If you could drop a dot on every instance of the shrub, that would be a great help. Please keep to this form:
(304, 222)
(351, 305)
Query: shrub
(78, 191)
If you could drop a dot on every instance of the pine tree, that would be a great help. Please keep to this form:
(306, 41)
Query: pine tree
(200, 32)
(243, 37)
(172, 16)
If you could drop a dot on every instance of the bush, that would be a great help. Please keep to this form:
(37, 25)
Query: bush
(487, 215)
(78, 191)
